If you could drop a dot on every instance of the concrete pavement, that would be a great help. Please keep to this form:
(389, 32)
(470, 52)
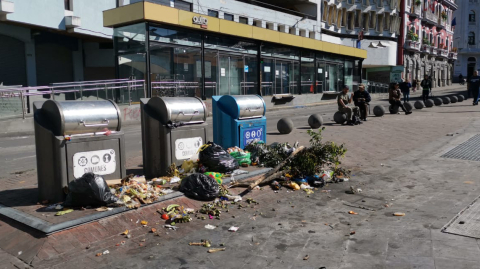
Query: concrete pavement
(395, 161)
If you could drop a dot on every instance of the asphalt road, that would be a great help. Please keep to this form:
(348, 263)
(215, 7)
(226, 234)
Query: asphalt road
(19, 157)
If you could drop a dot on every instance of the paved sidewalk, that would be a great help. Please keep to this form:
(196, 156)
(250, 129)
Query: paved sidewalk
(395, 161)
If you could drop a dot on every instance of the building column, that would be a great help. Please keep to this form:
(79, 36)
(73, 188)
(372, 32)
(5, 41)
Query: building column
(31, 64)
(77, 57)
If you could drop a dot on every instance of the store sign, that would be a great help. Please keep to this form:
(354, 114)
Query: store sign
(185, 148)
(202, 21)
(251, 135)
(99, 162)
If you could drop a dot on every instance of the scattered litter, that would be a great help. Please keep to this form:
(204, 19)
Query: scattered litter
(20, 253)
(468, 182)
(103, 209)
(61, 213)
(306, 257)
(98, 254)
(233, 229)
(239, 172)
(352, 213)
(382, 164)
(153, 230)
(210, 227)
(174, 180)
(171, 227)
(59, 207)
(399, 214)
(129, 236)
(125, 233)
(144, 222)
(213, 250)
(106, 252)
(204, 243)
(352, 232)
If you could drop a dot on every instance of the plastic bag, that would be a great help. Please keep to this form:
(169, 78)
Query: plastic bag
(241, 157)
(188, 166)
(89, 190)
(216, 159)
(200, 187)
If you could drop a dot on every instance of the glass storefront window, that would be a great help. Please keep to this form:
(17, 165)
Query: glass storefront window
(320, 76)
(175, 70)
(280, 52)
(211, 71)
(307, 73)
(250, 70)
(268, 71)
(175, 36)
(349, 74)
(230, 44)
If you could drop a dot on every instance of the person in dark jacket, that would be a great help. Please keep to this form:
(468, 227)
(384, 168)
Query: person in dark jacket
(405, 88)
(361, 98)
(475, 87)
(427, 87)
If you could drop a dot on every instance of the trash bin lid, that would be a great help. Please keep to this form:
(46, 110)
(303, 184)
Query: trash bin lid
(81, 117)
(189, 110)
(242, 106)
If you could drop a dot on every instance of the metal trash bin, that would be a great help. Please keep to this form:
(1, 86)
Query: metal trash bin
(238, 120)
(173, 129)
(73, 138)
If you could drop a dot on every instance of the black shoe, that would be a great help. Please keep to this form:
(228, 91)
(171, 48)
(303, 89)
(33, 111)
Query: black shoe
(365, 119)
(350, 123)
(408, 113)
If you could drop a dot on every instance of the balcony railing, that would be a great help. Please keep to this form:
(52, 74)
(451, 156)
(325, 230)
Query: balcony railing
(412, 45)
(442, 53)
(415, 10)
(433, 50)
(426, 48)
(452, 55)
(431, 17)
(448, 27)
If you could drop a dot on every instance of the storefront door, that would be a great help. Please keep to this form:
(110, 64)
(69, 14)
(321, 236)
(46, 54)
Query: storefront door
(230, 74)
(283, 76)
(334, 77)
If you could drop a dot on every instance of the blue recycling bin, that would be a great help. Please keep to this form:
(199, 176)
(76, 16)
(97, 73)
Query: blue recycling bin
(238, 120)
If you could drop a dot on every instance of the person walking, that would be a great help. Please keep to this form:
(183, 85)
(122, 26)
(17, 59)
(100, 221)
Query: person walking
(394, 97)
(475, 87)
(460, 79)
(343, 100)
(426, 88)
(361, 98)
(405, 88)
(414, 85)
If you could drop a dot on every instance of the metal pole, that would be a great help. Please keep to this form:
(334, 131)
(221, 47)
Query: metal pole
(23, 103)
(203, 91)
(52, 94)
(259, 69)
(315, 73)
(147, 60)
(129, 98)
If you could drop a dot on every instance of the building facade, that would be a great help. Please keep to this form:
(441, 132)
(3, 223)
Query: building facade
(377, 21)
(208, 48)
(429, 40)
(49, 41)
(466, 38)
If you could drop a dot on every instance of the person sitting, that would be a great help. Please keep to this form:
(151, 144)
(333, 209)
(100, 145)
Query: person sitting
(361, 98)
(343, 100)
(394, 97)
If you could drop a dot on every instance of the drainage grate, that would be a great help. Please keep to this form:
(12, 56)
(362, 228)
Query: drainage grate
(467, 222)
(468, 150)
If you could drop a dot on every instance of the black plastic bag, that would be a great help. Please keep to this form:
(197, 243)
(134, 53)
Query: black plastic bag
(216, 159)
(89, 190)
(200, 187)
